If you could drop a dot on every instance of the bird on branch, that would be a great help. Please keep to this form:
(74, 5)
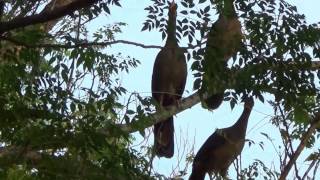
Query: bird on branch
(168, 83)
(224, 41)
(222, 147)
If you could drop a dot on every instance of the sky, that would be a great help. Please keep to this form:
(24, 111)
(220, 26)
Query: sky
(196, 124)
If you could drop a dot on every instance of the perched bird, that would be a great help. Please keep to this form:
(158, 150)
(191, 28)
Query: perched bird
(224, 40)
(168, 83)
(222, 147)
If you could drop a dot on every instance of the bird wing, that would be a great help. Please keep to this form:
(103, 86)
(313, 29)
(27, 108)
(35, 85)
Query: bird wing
(215, 141)
(183, 77)
(156, 76)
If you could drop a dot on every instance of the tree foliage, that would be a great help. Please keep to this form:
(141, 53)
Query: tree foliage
(61, 117)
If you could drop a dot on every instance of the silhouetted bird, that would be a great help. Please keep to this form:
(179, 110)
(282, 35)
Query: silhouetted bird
(222, 147)
(168, 83)
(224, 40)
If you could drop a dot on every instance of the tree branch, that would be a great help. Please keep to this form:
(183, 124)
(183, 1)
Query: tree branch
(160, 116)
(51, 6)
(45, 16)
(315, 65)
(315, 122)
(19, 153)
(88, 44)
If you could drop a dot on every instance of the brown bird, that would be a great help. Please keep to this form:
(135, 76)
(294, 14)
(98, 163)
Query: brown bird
(224, 40)
(222, 147)
(168, 83)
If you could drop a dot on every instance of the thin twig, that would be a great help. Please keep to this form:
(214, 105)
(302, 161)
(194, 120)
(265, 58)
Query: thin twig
(309, 168)
(289, 142)
(87, 44)
(315, 122)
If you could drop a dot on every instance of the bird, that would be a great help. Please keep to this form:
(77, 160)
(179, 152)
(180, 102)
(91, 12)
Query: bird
(224, 41)
(168, 83)
(222, 147)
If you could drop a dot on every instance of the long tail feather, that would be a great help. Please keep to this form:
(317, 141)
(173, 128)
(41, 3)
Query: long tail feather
(164, 138)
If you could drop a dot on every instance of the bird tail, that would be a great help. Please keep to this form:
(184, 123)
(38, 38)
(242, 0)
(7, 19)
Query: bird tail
(213, 102)
(164, 138)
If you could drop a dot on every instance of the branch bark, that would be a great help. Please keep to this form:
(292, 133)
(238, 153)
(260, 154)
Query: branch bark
(160, 116)
(51, 7)
(45, 16)
(17, 152)
(314, 124)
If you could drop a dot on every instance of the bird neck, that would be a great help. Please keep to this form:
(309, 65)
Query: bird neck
(241, 125)
(197, 174)
(171, 31)
(228, 10)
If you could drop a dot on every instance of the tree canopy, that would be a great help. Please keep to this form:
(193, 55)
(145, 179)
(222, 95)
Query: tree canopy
(61, 113)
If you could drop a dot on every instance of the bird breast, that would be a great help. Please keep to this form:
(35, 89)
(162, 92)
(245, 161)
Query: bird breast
(171, 69)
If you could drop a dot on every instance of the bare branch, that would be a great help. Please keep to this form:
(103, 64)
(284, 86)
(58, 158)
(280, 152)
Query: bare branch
(315, 122)
(88, 44)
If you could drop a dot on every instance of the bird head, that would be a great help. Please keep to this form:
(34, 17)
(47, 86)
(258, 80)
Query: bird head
(172, 9)
(226, 8)
(248, 102)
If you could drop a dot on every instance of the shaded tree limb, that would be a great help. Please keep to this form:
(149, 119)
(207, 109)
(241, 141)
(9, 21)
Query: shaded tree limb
(51, 6)
(314, 124)
(20, 152)
(45, 16)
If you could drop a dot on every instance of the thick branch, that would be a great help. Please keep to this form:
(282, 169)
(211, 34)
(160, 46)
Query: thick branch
(20, 153)
(160, 116)
(51, 7)
(314, 124)
(45, 16)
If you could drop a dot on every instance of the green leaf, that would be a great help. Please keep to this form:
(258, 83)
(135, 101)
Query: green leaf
(184, 12)
(300, 115)
(73, 107)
